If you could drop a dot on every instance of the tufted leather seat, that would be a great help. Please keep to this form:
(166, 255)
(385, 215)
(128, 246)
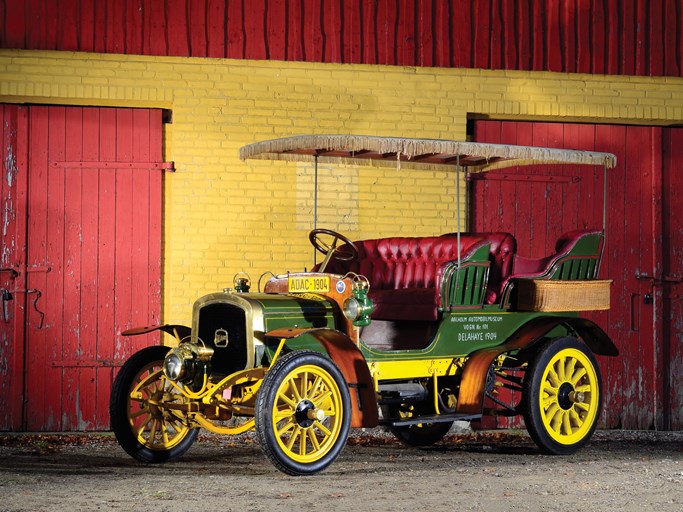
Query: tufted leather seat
(405, 273)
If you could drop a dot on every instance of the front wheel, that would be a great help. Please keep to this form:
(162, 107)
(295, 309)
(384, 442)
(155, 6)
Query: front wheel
(562, 396)
(146, 410)
(303, 413)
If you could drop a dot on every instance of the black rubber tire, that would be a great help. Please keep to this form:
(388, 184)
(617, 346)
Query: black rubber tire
(120, 405)
(579, 418)
(267, 400)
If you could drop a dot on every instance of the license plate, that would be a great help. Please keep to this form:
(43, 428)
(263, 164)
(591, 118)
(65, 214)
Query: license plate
(309, 284)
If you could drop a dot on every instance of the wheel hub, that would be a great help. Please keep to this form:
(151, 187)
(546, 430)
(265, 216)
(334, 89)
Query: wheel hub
(306, 414)
(567, 396)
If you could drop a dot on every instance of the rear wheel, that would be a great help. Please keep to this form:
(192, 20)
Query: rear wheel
(144, 428)
(562, 396)
(303, 413)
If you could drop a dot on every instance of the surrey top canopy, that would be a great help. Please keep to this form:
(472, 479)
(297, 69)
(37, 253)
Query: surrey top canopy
(416, 153)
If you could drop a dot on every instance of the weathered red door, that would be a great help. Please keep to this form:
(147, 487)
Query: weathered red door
(640, 384)
(89, 264)
(671, 278)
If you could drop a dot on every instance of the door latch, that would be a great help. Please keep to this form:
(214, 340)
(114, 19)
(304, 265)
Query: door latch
(6, 297)
(38, 294)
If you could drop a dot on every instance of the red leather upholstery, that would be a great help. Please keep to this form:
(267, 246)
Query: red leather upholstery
(405, 273)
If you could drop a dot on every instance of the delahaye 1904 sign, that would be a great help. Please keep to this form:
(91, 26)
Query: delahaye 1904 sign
(412, 333)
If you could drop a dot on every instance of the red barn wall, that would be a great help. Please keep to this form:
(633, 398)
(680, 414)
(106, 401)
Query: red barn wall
(632, 37)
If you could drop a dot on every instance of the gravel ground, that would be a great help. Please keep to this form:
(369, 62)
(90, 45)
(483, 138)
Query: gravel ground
(487, 471)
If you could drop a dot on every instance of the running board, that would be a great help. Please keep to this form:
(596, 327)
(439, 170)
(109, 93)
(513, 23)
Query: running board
(436, 418)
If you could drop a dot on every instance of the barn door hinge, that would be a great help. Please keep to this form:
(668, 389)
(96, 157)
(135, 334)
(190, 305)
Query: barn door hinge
(13, 273)
(162, 166)
(659, 280)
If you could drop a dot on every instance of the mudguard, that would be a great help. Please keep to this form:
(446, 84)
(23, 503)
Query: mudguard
(346, 355)
(179, 331)
(471, 397)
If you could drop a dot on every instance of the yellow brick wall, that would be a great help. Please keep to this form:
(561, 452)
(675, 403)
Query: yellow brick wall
(223, 216)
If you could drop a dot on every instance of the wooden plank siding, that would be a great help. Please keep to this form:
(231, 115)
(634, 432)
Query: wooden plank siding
(635, 37)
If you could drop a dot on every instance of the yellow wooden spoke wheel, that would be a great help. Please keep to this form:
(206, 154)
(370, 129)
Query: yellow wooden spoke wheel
(144, 427)
(303, 413)
(562, 396)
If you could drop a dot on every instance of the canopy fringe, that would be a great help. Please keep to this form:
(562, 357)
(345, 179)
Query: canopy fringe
(363, 149)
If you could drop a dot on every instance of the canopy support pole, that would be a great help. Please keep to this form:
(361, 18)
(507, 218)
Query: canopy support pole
(315, 199)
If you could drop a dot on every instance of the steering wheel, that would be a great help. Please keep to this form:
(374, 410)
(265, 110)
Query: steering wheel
(330, 250)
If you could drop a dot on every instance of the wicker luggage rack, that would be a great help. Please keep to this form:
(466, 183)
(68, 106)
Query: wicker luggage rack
(550, 296)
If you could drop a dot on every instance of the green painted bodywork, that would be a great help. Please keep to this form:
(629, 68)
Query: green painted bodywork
(465, 326)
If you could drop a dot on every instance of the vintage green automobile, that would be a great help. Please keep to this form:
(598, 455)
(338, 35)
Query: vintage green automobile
(409, 332)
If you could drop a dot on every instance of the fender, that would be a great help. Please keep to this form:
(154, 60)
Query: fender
(177, 331)
(346, 355)
(471, 397)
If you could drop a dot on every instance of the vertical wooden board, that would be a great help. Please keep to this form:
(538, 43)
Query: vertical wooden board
(524, 230)
(672, 183)
(507, 215)
(598, 41)
(99, 27)
(124, 230)
(613, 139)
(295, 40)
(140, 124)
(197, 29)
(254, 27)
(613, 31)
(369, 28)
(568, 32)
(584, 23)
(276, 29)
(458, 33)
(155, 222)
(523, 26)
(628, 47)
(592, 179)
(481, 34)
(446, 53)
(425, 33)
(134, 26)
(216, 26)
(9, 345)
(333, 30)
(13, 33)
(108, 337)
(86, 29)
(236, 28)
(88, 404)
(510, 42)
(71, 298)
(387, 18)
(155, 37)
(177, 28)
(641, 237)
(672, 34)
(68, 17)
(406, 32)
(351, 31)
(38, 353)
